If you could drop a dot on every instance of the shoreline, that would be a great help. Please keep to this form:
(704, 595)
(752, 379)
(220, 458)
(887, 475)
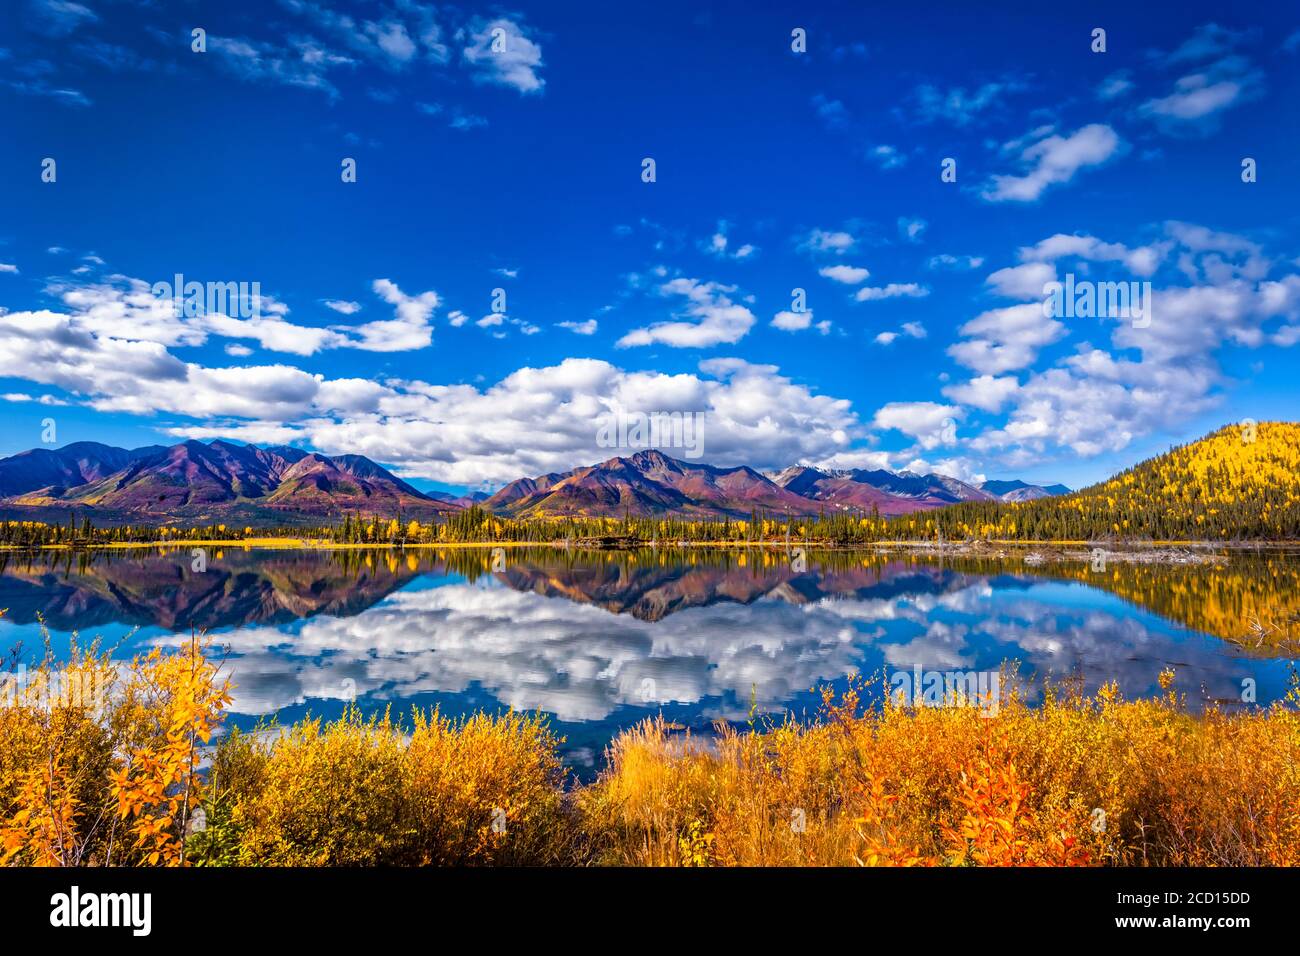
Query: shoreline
(1055, 550)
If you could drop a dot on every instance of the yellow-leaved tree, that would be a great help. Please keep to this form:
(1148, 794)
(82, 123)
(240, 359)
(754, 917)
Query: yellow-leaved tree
(99, 760)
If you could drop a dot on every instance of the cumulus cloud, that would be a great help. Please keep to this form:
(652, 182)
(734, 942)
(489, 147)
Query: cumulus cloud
(988, 393)
(127, 308)
(533, 421)
(1141, 260)
(1155, 379)
(410, 329)
(1003, 340)
(539, 420)
(1024, 281)
(709, 318)
(798, 321)
(930, 423)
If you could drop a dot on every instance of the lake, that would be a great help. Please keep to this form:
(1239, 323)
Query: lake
(599, 641)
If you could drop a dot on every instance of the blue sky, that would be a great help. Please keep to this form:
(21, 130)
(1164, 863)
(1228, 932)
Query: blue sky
(924, 344)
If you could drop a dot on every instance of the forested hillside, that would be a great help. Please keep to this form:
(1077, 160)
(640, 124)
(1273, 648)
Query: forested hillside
(1242, 481)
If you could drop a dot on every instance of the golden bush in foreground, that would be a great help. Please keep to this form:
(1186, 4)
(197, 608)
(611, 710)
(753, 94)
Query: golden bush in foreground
(99, 762)
(1075, 781)
(358, 792)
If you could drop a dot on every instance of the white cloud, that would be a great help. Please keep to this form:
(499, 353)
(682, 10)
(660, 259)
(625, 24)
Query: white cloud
(930, 423)
(392, 40)
(1024, 281)
(1141, 260)
(411, 329)
(911, 229)
(272, 333)
(1003, 340)
(712, 318)
(1115, 85)
(587, 327)
(539, 420)
(793, 321)
(834, 242)
(1197, 96)
(960, 106)
(849, 275)
(1094, 401)
(1221, 77)
(514, 61)
(719, 246)
(1054, 160)
(343, 306)
(955, 263)
(913, 330)
(894, 290)
(126, 308)
(8, 267)
(987, 392)
(886, 156)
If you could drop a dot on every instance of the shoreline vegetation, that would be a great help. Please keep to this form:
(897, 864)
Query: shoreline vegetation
(1075, 780)
(1173, 550)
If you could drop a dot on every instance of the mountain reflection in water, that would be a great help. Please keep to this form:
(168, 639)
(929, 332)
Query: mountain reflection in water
(599, 641)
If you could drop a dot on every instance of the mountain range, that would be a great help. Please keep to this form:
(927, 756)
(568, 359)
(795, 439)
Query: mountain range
(206, 482)
(221, 481)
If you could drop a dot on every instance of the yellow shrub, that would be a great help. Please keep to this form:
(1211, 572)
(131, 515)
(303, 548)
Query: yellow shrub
(357, 792)
(99, 763)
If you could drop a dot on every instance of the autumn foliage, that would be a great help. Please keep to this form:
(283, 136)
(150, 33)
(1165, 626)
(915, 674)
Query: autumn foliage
(1077, 780)
(99, 762)
(1074, 780)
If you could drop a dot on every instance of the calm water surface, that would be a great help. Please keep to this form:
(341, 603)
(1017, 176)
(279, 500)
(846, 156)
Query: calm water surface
(601, 641)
